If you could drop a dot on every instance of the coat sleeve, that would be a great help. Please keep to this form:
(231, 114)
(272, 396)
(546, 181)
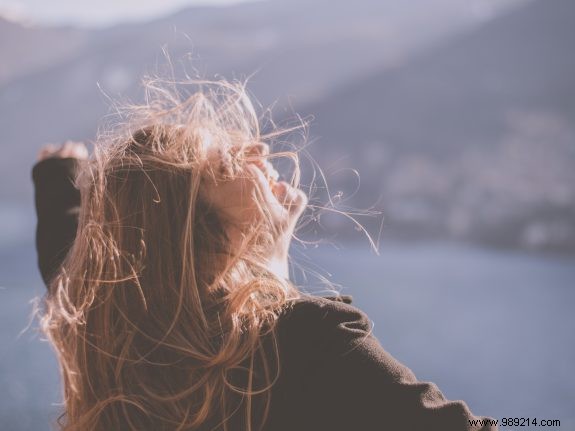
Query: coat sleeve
(360, 386)
(57, 207)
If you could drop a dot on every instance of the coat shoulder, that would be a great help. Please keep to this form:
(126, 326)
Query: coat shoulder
(322, 325)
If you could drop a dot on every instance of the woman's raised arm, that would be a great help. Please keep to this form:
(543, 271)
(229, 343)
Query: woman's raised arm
(57, 203)
(352, 383)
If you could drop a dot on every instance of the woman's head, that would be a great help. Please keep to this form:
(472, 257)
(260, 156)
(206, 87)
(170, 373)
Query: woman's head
(163, 300)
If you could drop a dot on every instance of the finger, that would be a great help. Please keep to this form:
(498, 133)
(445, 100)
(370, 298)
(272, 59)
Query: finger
(267, 168)
(293, 199)
(46, 151)
(258, 149)
(80, 151)
(74, 149)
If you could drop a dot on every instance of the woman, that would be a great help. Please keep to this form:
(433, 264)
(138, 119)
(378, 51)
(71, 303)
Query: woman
(169, 304)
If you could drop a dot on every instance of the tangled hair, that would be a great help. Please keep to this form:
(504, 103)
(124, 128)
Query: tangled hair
(157, 323)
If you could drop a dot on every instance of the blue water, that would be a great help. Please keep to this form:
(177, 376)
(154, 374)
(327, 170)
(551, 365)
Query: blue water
(495, 329)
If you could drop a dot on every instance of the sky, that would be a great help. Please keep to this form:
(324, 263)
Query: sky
(94, 13)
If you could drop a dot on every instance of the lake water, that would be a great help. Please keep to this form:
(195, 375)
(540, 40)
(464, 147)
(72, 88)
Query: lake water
(493, 328)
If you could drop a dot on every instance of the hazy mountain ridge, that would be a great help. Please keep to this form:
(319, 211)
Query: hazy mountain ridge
(474, 139)
(300, 51)
(447, 140)
(28, 49)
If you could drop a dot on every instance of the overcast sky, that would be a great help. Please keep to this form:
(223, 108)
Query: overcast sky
(94, 12)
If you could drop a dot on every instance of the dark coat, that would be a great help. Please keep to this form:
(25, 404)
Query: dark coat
(335, 375)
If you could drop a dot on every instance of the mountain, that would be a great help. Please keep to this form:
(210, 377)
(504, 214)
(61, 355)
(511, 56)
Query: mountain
(28, 49)
(473, 139)
(300, 51)
(312, 53)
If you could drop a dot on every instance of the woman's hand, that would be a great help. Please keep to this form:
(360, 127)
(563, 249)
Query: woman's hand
(72, 149)
(253, 192)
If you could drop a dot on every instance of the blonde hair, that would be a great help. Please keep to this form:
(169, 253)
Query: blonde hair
(156, 322)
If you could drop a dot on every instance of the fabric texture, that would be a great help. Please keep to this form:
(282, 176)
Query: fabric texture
(335, 375)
